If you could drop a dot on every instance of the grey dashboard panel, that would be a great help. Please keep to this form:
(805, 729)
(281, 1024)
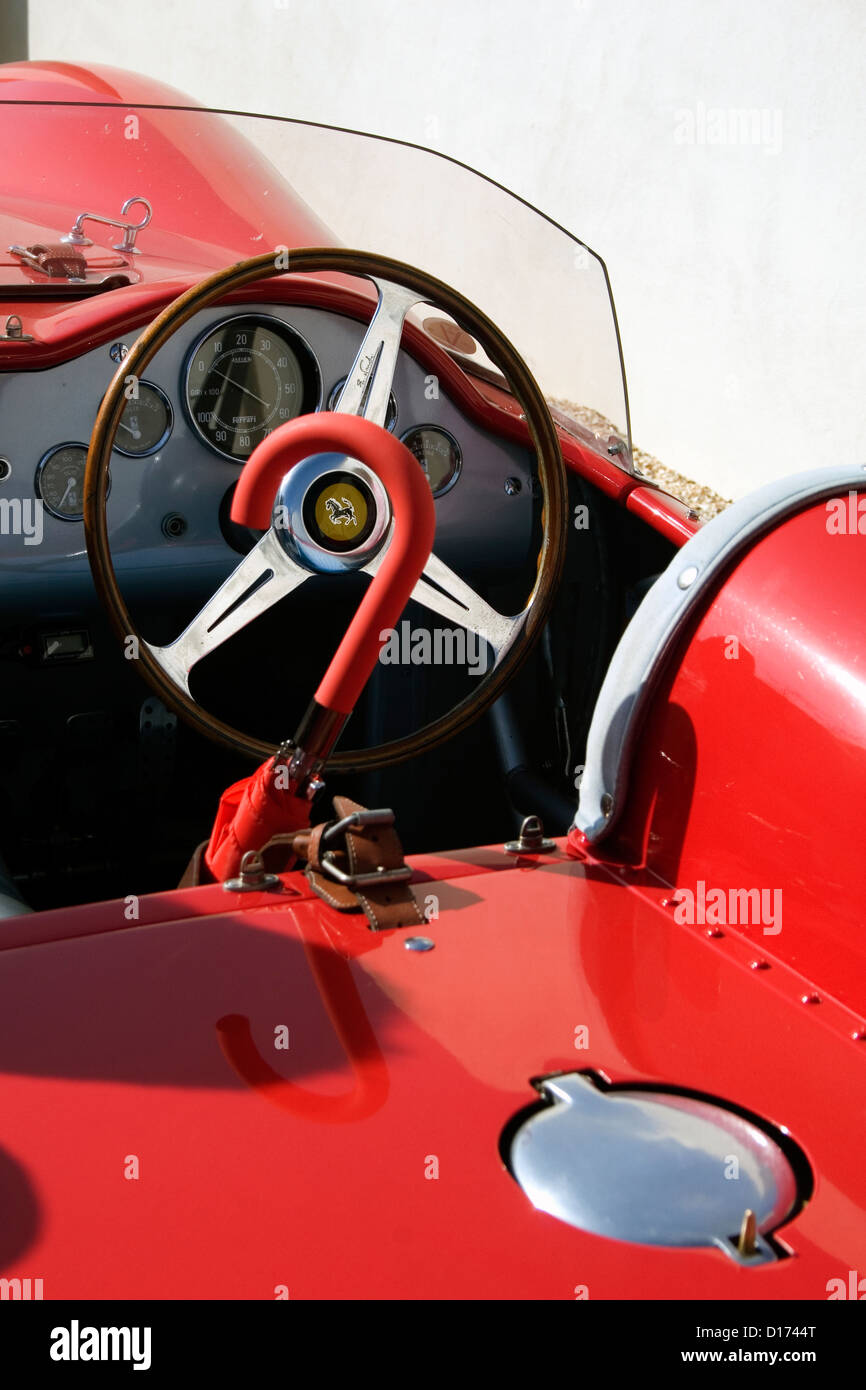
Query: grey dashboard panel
(641, 657)
(478, 523)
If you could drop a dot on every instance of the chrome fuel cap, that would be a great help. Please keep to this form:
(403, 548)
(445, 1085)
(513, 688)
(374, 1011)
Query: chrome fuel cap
(653, 1168)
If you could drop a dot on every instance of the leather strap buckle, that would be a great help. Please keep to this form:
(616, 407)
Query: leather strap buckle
(356, 820)
(356, 862)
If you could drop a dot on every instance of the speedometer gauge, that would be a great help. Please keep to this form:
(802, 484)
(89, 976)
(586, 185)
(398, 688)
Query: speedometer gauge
(244, 378)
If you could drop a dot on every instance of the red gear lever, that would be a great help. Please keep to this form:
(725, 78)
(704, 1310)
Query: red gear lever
(256, 808)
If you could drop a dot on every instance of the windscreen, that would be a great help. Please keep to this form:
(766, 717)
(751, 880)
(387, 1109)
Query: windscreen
(223, 185)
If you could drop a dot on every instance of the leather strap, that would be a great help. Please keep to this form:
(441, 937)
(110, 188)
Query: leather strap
(54, 259)
(364, 849)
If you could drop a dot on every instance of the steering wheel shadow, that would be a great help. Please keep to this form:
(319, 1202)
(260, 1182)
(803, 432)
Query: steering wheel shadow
(20, 1210)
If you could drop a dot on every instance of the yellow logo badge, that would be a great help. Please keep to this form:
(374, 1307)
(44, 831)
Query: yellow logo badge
(341, 512)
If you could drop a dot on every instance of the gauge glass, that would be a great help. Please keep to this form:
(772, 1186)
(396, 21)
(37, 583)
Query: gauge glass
(60, 481)
(145, 423)
(390, 416)
(438, 453)
(246, 377)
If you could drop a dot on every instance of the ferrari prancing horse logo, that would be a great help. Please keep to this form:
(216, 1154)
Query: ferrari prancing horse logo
(340, 512)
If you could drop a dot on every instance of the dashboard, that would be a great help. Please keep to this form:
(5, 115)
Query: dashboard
(220, 385)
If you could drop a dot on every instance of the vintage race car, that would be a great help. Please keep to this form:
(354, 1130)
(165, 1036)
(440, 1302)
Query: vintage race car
(320, 527)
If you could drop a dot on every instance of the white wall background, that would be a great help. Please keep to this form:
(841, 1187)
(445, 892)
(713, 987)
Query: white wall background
(735, 248)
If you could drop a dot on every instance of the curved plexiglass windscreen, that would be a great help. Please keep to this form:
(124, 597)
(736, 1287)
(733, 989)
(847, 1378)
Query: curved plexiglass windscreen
(224, 185)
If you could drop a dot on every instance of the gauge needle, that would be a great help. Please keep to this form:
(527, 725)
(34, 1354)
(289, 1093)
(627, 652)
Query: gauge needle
(244, 389)
(136, 434)
(70, 484)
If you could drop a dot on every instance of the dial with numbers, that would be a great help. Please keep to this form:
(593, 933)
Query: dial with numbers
(244, 378)
(60, 481)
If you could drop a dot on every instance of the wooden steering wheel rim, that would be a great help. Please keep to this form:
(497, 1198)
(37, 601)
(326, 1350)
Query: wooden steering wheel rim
(526, 391)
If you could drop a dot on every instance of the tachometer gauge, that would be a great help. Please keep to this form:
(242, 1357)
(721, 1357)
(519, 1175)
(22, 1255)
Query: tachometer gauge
(145, 423)
(244, 378)
(60, 481)
(438, 453)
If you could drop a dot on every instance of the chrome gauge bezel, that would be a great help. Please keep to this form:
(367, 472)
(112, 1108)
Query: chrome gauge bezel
(40, 469)
(294, 337)
(431, 425)
(164, 438)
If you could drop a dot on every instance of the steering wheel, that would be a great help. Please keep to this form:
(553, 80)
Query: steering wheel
(288, 553)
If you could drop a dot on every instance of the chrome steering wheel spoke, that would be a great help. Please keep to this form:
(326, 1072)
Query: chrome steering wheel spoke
(366, 392)
(262, 578)
(443, 592)
(368, 385)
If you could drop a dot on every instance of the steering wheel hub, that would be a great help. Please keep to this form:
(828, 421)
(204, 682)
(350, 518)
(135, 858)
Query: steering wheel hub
(331, 514)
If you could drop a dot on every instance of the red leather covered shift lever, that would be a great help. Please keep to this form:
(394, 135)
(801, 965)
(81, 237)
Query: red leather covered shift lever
(254, 810)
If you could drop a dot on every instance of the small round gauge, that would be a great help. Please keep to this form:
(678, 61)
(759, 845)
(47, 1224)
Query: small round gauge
(60, 481)
(438, 453)
(145, 423)
(390, 415)
(244, 378)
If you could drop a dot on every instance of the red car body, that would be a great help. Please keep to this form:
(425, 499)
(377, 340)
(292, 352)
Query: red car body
(218, 1095)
